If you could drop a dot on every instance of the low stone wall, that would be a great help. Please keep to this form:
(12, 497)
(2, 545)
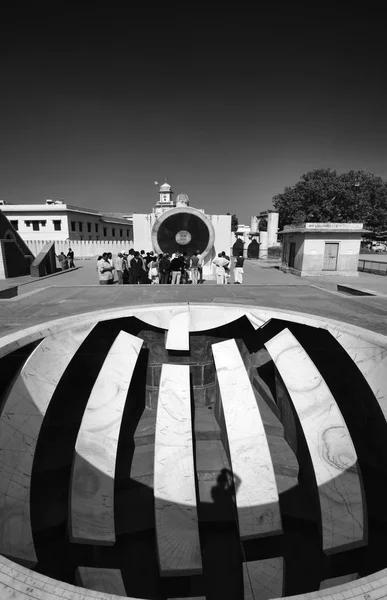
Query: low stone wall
(82, 248)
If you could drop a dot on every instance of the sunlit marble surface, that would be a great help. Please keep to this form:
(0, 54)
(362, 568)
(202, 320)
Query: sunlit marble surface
(92, 484)
(329, 442)
(178, 330)
(177, 531)
(108, 581)
(23, 412)
(263, 579)
(256, 490)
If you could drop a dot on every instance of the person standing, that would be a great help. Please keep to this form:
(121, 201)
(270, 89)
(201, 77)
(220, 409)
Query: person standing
(220, 263)
(176, 267)
(227, 269)
(144, 274)
(130, 272)
(238, 268)
(164, 268)
(200, 266)
(118, 266)
(63, 261)
(154, 270)
(70, 256)
(194, 268)
(105, 270)
(136, 265)
(185, 268)
(125, 268)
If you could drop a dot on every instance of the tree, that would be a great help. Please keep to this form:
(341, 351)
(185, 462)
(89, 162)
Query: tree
(262, 224)
(324, 195)
(234, 223)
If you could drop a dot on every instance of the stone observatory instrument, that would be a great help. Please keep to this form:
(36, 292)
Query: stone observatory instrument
(185, 229)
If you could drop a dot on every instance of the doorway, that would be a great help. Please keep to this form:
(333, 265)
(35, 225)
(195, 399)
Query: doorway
(292, 254)
(331, 254)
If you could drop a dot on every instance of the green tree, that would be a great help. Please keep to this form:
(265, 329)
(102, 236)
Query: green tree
(262, 225)
(234, 222)
(324, 195)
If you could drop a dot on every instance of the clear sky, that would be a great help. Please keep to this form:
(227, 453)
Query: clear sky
(229, 102)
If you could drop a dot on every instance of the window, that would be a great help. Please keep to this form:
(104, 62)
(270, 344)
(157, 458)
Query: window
(15, 224)
(113, 233)
(96, 228)
(80, 226)
(36, 225)
(28, 223)
(121, 232)
(127, 233)
(73, 225)
(105, 231)
(57, 225)
(89, 227)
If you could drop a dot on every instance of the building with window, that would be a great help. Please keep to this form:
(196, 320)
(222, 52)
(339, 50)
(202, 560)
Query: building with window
(60, 221)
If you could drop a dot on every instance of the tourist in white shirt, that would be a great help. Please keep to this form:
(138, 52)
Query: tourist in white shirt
(105, 270)
(118, 265)
(220, 263)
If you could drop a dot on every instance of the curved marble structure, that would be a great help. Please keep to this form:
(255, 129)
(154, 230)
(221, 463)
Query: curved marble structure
(20, 422)
(177, 533)
(367, 350)
(254, 481)
(185, 229)
(331, 449)
(92, 485)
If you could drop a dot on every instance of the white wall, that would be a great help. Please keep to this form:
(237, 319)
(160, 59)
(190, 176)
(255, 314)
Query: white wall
(82, 249)
(222, 227)
(142, 226)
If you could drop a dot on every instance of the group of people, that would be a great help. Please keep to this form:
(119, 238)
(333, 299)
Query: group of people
(66, 261)
(222, 265)
(140, 267)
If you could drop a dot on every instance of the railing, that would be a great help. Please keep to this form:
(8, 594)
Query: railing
(372, 266)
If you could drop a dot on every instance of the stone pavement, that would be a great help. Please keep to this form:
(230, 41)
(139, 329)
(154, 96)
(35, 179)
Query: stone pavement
(77, 291)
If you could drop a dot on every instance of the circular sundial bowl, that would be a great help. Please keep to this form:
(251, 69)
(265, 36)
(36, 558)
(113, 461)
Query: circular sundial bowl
(185, 451)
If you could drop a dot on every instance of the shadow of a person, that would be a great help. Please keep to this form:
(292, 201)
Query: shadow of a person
(224, 492)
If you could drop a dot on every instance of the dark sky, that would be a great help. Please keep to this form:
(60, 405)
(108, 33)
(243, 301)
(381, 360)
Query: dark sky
(230, 102)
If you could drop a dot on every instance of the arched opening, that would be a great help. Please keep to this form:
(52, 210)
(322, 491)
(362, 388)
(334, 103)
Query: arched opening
(237, 247)
(253, 249)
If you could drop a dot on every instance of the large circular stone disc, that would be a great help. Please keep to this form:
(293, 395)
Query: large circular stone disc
(183, 229)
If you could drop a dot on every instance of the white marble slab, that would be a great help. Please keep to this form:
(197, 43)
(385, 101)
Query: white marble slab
(177, 532)
(21, 419)
(329, 442)
(92, 481)
(367, 349)
(178, 331)
(263, 579)
(99, 579)
(256, 490)
(334, 581)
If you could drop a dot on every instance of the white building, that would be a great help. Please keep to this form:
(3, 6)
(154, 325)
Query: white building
(57, 221)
